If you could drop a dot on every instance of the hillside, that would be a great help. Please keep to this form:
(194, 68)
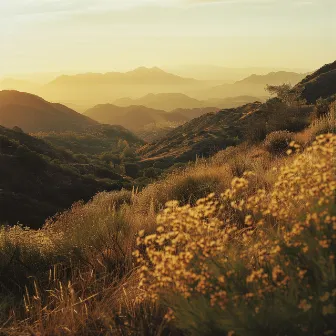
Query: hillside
(162, 101)
(212, 132)
(133, 117)
(34, 114)
(37, 180)
(94, 140)
(320, 84)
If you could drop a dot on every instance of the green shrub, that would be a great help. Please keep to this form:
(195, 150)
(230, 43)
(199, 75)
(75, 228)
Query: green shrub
(277, 143)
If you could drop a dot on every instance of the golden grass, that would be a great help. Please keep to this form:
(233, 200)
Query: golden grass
(77, 274)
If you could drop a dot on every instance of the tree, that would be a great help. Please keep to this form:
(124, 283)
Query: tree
(282, 91)
(287, 94)
(132, 170)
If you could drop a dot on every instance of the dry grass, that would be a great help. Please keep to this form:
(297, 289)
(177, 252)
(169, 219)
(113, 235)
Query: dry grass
(77, 274)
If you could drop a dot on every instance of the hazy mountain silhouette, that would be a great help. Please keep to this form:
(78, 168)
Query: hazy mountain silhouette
(142, 76)
(34, 114)
(273, 78)
(133, 117)
(222, 73)
(94, 88)
(253, 85)
(163, 101)
(320, 84)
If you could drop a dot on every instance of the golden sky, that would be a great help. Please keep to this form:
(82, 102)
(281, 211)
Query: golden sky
(107, 35)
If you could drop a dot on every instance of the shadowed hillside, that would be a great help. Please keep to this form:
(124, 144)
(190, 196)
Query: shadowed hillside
(34, 114)
(215, 131)
(38, 180)
(320, 84)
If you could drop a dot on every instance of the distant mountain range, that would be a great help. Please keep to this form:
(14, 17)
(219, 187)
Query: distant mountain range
(222, 73)
(253, 85)
(133, 117)
(94, 88)
(164, 101)
(82, 91)
(34, 114)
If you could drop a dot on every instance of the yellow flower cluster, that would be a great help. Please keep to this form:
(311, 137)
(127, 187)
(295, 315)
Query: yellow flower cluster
(289, 236)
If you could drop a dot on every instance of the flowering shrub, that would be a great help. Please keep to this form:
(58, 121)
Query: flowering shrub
(272, 275)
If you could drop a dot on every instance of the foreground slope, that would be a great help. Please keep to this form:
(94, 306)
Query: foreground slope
(34, 114)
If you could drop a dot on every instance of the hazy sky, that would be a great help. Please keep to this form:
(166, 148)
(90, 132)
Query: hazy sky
(106, 35)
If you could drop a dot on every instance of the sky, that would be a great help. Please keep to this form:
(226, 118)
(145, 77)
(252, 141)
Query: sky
(109, 35)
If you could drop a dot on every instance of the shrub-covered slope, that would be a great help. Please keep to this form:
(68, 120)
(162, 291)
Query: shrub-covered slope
(320, 84)
(37, 180)
(214, 131)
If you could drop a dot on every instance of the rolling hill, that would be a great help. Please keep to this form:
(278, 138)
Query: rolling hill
(162, 101)
(212, 132)
(34, 114)
(320, 84)
(38, 180)
(133, 117)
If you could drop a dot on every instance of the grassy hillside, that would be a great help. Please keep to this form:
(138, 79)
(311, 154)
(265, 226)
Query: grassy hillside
(214, 131)
(37, 180)
(241, 243)
(320, 84)
(269, 258)
(34, 114)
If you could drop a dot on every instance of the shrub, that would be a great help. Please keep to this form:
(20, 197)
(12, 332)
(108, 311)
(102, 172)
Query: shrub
(324, 124)
(132, 169)
(277, 143)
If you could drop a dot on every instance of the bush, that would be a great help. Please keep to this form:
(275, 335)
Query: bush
(277, 143)
(132, 170)
(324, 124)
